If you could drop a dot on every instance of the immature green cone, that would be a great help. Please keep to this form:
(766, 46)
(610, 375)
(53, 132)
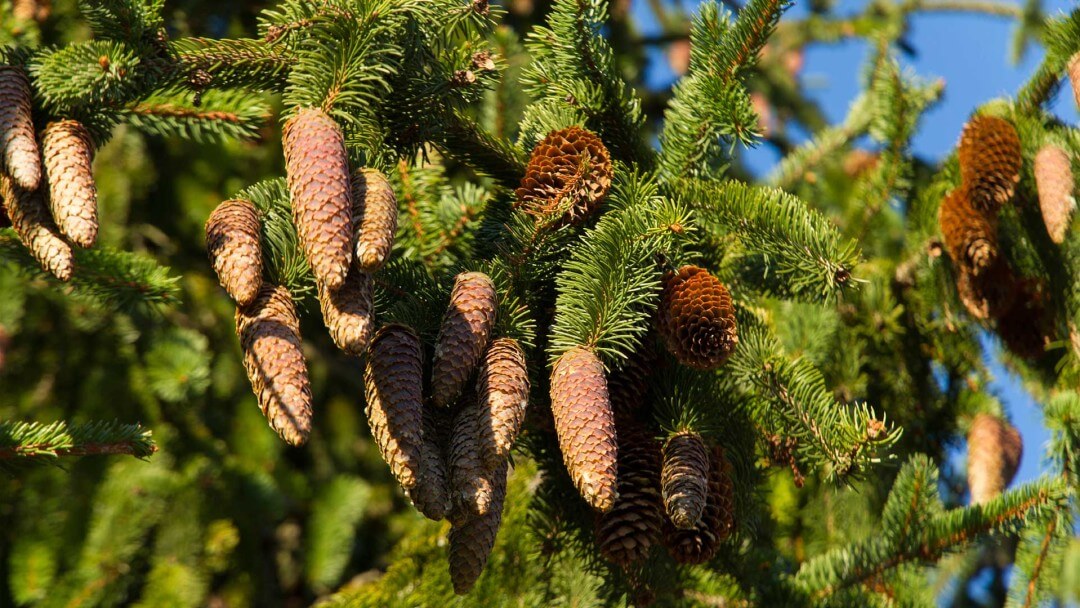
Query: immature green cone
(473, 536)
(32, 222)
(471, 483)
(375, 218)
(685, 478)
(68, 153)
(994, 452)
(698, 544)
(625, 534)
(1054, 179)
(970, 235)
(233, 243)
(348, 312)
(317, 168)
(502, 386)
(697, 319)
(269, 332)
(586, 426)
(393, 379)
(463, 335)
(990, 160)
(19, 156)
(431, 495)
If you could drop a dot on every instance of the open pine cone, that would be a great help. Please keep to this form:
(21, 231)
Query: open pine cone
(970, 235)
(990, 161)
(697, 318)
(569, 172)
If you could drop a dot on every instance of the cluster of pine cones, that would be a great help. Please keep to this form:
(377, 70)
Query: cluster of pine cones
(48, 191)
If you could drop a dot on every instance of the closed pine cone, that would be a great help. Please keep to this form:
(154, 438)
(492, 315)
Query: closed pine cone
(393, 379)
(970, 235)
(463, 335)
(471, 480)
(349, 312)
(68, 153)
(19, 156)
(233, 243)
(569, 174)
(375, 218)
(627, 532)
(994, 451)
(699, 544)
(473, 536)
(990, 161)
(32, 222)
(697, 319)
(431, 495)
(269, 332)
(685, 478)
(502, 386)
(1054, 179)
(585, 425)
(989, 294)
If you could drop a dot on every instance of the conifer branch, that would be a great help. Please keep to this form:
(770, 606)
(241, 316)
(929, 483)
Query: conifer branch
(471, 143)
(25, 444)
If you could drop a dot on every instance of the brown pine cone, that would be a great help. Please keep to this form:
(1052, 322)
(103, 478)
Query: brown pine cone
(375, 217)
(68, 153)
(317, 168)
(463, 335)
(431, 495)
(393, 379)
(699, 544)
(233, 233)
(569, 174)
(502, 385)
(994, 451)
(19, 156)
(991, 293)
(970, 235)
(1054, 179)
(269, 332)
(473, 537)
(685, 478)
(697, 319)
(1074, 77)
(471, 480)
(585, 425)
(1025, 327)
(348, 312)
(990, 161)
(627, 532)
(30, 217)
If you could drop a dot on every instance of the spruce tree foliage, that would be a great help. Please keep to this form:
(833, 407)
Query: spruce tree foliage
(858, 364)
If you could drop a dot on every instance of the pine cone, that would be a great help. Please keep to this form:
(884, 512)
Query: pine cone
(1054, 179)
(989, 162)
(569, 173)
(994, 451)
(19, 156)
(393, 379)
(989, 294)
(68, 153)
(699, 544)
(697, 319)
(463, 335)
(585, 425)
(970, 235)
(233, 233)
(470, 480)
(269, 332)
(318, 172)
(503, 388)
(628, 386)
(374, 218)
(685, 478)
(472, 538)
(627, 532)
(1025, 326)
(431, 495)
(349, 312)
(1074, 77)
(32, 222)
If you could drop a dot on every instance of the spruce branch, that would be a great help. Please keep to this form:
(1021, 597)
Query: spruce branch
(219, 115)
(24, 444)
(824, 145)
(466, 140)
(239, 62)
(1062, 40)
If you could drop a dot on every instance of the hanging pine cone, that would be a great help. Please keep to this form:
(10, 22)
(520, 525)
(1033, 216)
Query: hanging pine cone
(699, 544)
(502, 385)
(68, 153)
(473, 537)
(1074, 77)
(30, 217)
(1024, 327)
(685, 478)
(989, 162)
(628, 386)
(1054, 179)
(393, 379)
(627, 532)
(569, 174)
(989, 294)
(431, 495)
(994, 451)
(585, 425)
(374, 218)
(470, 479)
(19, 156)
(233, 243)
(269, 332)
(970, 235)
(349, 312)
(317, 168)
(697, 319)
(463, 335)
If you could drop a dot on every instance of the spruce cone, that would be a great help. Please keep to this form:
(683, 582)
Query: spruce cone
(68, 153)
(472, 538)
(627, 532)
(994, 451)
(970, 235)
(699, 544)
(318, 172)
(348, 312)
(19, 156)
(1025, 326)
(697, 319)
(431, 495)
(233, 242)
(1054, 179)
(393, 379)
(585, 425)
(569, 173)
(989, 294)
(32, 222)
(471, 482)
(1074, 77)
(374, 218)
(463, 335)
(269, 332)
(502, 385)
(685, 478)
(989, 162)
